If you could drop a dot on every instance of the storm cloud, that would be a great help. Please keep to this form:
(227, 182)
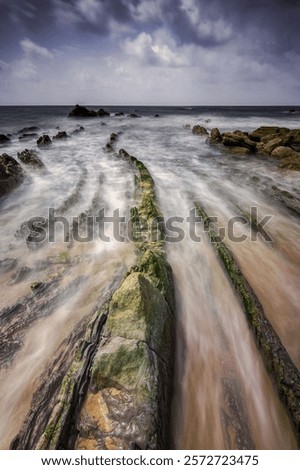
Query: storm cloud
(150, 51)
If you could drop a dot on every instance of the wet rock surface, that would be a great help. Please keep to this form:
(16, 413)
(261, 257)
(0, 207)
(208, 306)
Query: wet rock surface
(30, 157)
(11, 174)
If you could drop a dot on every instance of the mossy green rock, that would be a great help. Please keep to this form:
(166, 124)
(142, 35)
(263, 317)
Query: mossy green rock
(124, 363)
(154, 265)
(139, 311)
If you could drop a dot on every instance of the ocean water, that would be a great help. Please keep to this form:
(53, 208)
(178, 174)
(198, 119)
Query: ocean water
(215, 346)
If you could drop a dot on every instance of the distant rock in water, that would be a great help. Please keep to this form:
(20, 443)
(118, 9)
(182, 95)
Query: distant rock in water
(28, 136)
(102, 113)
(44, 141)
(4, 139)
(134, 115)
(120, 114)
(292, 110)
(60, 135)
(199, 130)
(29, 157)
(82, 111)
(11, 174)
(29, 129)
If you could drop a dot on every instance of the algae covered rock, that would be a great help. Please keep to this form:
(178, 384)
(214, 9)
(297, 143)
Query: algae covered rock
(238, 139)
(215, 136)
(199, 130)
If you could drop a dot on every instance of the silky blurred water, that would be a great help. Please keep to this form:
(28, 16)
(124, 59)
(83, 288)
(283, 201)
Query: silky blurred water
(217, 361)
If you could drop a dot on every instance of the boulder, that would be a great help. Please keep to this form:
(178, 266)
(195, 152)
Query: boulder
(231, 139)
(199, 130)
(134, 115)
(271, 145)
(283, 152)
(156, 115)
(120, 114)
(82, 111)
(102, 113)
(30, 157)
(61, 135)
(263, 131)
(4, 139)
(11, 174)
(215, 136)
(44, 141)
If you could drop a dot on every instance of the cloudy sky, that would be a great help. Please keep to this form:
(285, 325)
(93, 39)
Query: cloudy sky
(228, 52)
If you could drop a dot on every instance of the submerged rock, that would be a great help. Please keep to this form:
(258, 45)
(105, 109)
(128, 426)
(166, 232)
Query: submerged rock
(25, 130)
(21, 275)
(7, 264)
(30, 157)
(199, 130)
(78, 131)
(11, 174)
(44, 141)
(28, 136)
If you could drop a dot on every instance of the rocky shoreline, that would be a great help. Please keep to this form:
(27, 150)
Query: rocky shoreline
(278, 142)
(111, 380)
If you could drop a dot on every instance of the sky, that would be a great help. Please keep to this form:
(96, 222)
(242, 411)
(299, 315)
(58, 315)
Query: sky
(150, 52)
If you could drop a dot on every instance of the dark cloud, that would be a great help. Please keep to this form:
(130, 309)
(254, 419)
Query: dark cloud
(242, 38)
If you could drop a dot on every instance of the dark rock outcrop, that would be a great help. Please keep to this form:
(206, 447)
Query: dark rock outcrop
(11, 174)
(29, 129)
(60, 135)
(199, 130)
(120, 114)
(82, 111)
(30, 157)
(102, 113)
(134, 115)
(4, 139)
(44, 141)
